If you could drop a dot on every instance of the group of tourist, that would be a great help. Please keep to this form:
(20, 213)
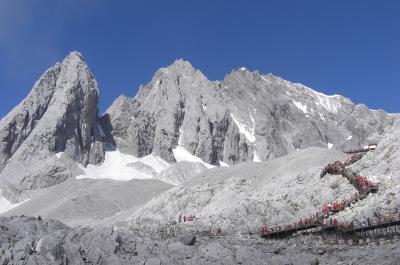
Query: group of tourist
(186, 218)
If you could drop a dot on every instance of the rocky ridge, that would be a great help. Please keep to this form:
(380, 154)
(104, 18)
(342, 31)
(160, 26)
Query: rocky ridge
(55, 134)
(246, 117)
(59, 115)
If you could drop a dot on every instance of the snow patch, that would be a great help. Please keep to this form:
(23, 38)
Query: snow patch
(59, 155)
(180, 140)
(181, 154)
(256, 158)
(330, 145)
(223, 164)
(349, 138)
(321, 115)
(245, 129)
(243, 68)
(204, 107)
(6, 205)
(155, 162)
(252, 119)
(115, 166)
(319, 93)
(300, 106)
(329, 104)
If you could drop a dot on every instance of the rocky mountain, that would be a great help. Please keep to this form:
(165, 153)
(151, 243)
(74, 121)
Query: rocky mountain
(180, 115)
(184, 145)
(383, 167)
(246, 117)
(58, 116)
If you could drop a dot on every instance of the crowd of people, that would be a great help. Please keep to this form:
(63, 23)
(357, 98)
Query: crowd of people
(320, 220)
(186, 218)
(335, 168)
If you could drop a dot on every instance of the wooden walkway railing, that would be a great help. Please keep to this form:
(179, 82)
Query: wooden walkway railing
(319, 222)
(336, 227)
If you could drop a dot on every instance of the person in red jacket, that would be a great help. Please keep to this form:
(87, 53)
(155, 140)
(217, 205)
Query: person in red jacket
(369, 184)
(325, 209)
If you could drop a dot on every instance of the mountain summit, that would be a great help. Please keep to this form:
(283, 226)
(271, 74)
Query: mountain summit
(246, 117)
(58, 116)
(179, 115)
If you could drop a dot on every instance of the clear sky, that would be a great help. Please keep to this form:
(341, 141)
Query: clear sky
(342, 47)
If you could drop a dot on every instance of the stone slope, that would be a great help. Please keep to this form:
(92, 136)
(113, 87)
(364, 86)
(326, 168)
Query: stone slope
(246, 117)
(243, 197)
(59, 115)
(180, 172)
(31, 241)
(383, 167)
(87, 202)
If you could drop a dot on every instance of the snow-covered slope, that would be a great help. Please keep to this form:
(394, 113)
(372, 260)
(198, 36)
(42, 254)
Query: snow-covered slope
(120, 166)
(182, 155)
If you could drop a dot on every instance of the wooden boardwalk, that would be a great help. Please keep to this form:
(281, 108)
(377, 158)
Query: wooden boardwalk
(319, 222)
(338, 227)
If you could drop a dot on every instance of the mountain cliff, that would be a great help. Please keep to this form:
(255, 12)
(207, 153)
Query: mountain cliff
(59, 116)
(246, 117)
(179, 115)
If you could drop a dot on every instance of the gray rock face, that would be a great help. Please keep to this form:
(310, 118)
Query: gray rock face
(89, 202)
(180, 172)
(30, 241)
(247, 116)
(244, 197)
(188, 239)
(381, 166)
(59, 115)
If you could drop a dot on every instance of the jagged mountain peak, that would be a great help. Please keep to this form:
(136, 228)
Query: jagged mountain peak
(74, 56)
(246, 116)
(179, 68)
(181, 63)
(58, 116)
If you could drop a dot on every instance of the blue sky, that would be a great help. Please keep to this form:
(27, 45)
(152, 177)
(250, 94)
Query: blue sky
(336, 47)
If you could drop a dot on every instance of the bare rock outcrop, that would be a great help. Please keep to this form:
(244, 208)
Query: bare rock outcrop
(246, 117)
(59, 116)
